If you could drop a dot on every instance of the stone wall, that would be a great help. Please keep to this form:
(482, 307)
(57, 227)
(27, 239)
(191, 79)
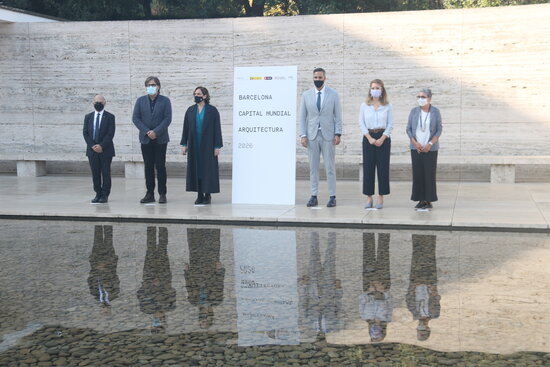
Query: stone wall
(488, 69)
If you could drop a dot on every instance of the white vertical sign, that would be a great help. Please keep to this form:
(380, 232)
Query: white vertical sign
(266, 287)
(264, 135)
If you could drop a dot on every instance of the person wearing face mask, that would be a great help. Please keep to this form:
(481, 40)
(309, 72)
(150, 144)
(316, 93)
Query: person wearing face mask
(201, 141)
(99, 130)
(424, 129)
(152, 115)
(376, 124)
(320, 132)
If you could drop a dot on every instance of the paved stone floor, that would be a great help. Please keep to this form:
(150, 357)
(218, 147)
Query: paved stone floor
(460, 205)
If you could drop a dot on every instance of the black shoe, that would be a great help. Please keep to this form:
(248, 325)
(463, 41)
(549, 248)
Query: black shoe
(312, 201)
(162, 199)
(200, 199)
(103, 199)
(207, 199)
(148, 198)
(331, 202)
(427, 205)
(420, 205)
(96, 199)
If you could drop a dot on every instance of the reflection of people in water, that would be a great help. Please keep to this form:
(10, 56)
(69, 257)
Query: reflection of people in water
(423, 299)
(204, 274)
(375, 304)
(156, 295)
(103, 280)
(319, 291)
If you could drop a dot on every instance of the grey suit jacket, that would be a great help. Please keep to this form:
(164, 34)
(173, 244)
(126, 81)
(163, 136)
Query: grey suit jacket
(158, 121)
(329, 118)
(435, 125)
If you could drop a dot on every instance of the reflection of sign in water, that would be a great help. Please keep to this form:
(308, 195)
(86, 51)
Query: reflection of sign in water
(264, 135)
(266, 284)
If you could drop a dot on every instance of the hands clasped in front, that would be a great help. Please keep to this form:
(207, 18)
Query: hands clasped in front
(422, 149)
(376, 142)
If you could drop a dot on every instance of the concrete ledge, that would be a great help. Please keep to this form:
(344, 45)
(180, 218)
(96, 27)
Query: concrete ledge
(503, 168)
(31, 168)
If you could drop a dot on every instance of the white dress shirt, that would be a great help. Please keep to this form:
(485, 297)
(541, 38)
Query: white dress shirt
(371, 308)
(373, 119)
(100, 113)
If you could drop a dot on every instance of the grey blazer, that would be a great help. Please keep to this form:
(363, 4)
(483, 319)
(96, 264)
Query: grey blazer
(158, 121)
(329, 118)
(435, 125)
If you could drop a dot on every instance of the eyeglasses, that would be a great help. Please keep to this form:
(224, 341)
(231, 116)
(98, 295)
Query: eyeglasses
(421, 97)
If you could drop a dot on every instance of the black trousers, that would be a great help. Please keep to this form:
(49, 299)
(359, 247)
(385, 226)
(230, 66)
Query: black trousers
(376, 159)
(424, 166)
(423, 262)
(100, 165)
(376, 261)
(154, 158)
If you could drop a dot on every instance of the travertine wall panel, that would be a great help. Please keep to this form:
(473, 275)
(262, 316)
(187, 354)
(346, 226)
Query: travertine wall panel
(71, 62)
(16, 108)
(488, 69)
(307, 42)
(184, 55)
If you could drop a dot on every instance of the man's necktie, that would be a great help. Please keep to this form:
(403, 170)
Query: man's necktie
(96, 127)
(318, 101)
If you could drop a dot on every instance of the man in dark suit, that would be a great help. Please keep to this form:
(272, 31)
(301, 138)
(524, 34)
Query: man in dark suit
(99, 130)
(152, 116)
(103, 280)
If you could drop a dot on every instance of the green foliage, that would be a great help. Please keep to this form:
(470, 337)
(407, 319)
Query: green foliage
(163, 9)
(486, 3)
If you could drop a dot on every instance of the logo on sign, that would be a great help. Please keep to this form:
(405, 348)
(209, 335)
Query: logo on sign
(256, 78)
(268, 77)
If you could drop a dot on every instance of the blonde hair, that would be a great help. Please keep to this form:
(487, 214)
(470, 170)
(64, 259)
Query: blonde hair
(383, 97)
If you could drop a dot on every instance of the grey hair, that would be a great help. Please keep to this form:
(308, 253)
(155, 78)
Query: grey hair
(428, 92)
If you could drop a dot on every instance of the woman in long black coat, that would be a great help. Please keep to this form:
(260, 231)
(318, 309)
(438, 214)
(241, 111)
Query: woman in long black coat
(201, 142)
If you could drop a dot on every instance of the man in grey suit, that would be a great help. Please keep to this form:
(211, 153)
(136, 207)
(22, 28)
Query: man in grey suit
(152, 116)
(320, 131)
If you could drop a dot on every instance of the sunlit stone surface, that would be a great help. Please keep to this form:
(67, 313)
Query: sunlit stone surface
(77, 293)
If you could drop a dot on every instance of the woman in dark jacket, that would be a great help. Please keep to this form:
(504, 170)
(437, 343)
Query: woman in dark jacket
(424, 129)
(201, 142)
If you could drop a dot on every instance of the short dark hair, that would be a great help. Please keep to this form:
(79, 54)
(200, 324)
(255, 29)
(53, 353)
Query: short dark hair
(205, 92)
(321, 70)
(153, 78)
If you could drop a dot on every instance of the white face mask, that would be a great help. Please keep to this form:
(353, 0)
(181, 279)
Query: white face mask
(375, 93)
(422, 102)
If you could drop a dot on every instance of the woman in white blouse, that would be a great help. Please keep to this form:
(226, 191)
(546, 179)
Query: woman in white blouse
(424, 129)
(376, 124)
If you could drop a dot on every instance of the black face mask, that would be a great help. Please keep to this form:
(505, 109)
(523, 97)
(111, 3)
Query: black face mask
(198, 99)
(318, 83)
(98, 106)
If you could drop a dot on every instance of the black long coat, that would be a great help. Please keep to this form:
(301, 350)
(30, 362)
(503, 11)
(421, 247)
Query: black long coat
(205, 274)
(211, 139)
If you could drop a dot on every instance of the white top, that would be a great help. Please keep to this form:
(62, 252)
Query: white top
(422, 133)
(422, 296)
(100, 113)
(371, 119)
(370, 308)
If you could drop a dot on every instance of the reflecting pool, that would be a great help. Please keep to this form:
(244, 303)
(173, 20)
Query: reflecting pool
(138, 294)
